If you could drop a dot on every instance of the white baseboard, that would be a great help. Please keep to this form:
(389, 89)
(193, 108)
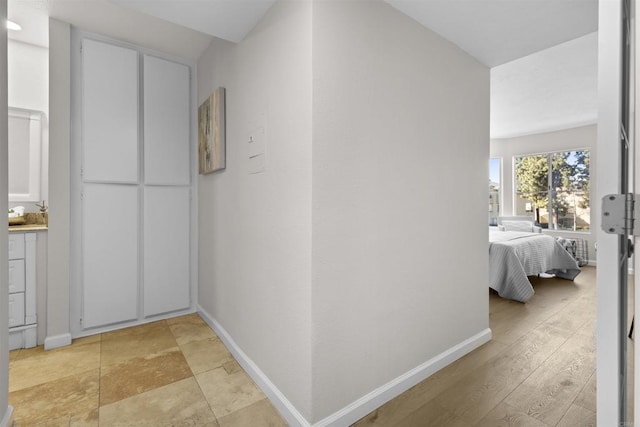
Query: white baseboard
(361, 407)
(282, 404)
(378, 397)
(57, 341)
(7, 420)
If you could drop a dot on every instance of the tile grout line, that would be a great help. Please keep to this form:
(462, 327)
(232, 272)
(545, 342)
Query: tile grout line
(101, 364)
(195, 378)
(206, 400)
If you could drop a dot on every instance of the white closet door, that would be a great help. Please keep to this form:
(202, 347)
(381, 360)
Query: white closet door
(109, 112)
(110, 254)
(166, 122)
(166, 249)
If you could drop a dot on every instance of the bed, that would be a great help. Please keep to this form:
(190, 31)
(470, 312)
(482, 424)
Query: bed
(514, 255)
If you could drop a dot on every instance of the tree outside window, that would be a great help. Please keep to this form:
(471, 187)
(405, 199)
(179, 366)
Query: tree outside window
(494, 190)
(554, 187)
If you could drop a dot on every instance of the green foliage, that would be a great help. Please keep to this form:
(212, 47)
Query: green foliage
(532, 178)
(567, 187)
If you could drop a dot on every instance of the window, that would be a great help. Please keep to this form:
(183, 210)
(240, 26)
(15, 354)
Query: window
(494, 190)
(554, 187)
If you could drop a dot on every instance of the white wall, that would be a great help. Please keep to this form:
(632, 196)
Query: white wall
(584, 137)
(255, 229)
(4, 240)
(29, 76)
(352, 274)
(400, 150)
(28, 68)
(59, 184)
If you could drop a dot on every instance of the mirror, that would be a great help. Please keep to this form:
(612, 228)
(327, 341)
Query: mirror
(25, 153)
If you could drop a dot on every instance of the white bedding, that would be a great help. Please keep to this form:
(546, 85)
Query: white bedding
(514, 255)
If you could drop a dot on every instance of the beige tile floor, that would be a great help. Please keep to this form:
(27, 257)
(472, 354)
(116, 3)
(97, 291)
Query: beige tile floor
(539, 370)
(172, 372)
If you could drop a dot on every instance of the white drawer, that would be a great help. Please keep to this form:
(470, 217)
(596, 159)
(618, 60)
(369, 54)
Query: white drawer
(16, 246)
(16, 309)
(16, 276)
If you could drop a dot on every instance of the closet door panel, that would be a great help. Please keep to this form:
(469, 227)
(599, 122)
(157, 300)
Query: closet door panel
(109, 112)
(110, 254)
(166, 122)
(166, 249)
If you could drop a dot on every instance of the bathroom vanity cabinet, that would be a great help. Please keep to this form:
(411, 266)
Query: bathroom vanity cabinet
(22, 290)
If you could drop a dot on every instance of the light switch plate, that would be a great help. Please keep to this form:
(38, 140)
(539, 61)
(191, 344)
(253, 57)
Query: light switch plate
(257, 144)
(257, 164)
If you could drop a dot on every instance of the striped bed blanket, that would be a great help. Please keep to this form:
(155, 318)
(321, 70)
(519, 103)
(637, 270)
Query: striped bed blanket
(514, 255)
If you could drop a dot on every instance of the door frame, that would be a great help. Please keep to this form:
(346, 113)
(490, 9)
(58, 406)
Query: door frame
(608, 337)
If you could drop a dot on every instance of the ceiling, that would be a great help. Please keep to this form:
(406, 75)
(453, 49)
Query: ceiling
(536, 86)
(109, 19)
(492, 31)
(226, 19)
(499, 31)
(33, 17)
(553, 89)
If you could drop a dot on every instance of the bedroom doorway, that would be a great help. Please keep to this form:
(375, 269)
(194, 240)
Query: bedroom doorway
(617, 386)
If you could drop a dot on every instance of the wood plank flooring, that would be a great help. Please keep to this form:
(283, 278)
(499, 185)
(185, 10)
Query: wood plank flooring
(539, 369)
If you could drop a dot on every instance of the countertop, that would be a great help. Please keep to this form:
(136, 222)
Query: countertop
(34, 222)
(27, 227)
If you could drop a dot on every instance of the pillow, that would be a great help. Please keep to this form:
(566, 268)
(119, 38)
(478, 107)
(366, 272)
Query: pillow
(518, 226)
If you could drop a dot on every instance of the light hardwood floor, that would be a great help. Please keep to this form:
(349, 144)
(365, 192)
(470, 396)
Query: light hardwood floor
(539, 370)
